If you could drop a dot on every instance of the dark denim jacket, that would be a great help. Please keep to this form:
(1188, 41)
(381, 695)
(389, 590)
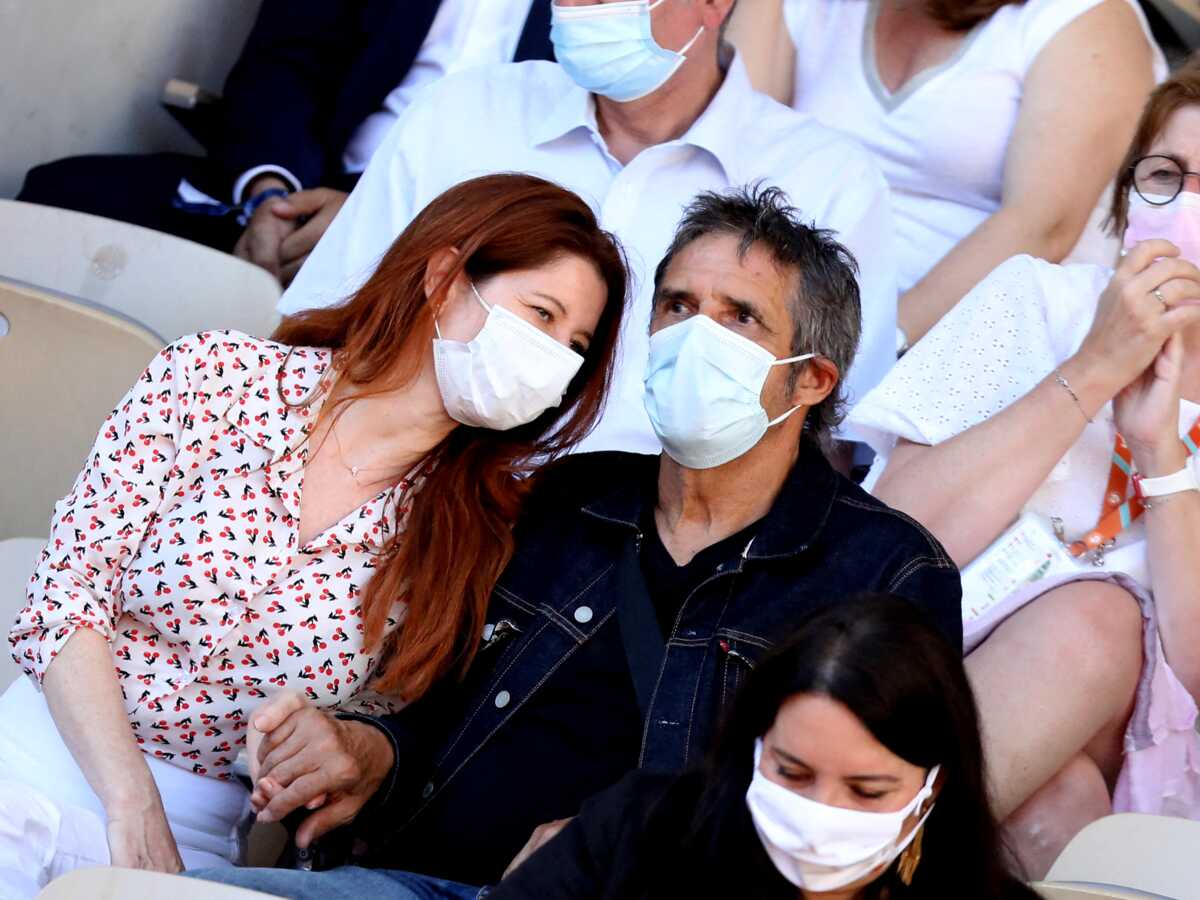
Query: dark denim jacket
(823, 539)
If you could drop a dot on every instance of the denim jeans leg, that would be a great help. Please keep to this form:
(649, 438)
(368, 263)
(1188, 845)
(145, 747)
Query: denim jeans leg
(344, 883)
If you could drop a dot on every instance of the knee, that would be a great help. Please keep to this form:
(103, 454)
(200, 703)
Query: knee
(1100, 625)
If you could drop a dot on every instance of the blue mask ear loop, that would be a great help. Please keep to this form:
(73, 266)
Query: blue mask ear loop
(784, 362)
(475, 291)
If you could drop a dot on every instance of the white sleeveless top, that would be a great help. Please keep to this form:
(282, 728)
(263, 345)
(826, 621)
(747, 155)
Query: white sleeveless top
(941, 139)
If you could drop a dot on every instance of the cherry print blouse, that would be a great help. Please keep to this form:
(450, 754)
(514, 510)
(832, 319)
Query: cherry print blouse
(178, 543)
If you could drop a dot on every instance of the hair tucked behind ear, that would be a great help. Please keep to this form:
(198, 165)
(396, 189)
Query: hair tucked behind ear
(458, 537)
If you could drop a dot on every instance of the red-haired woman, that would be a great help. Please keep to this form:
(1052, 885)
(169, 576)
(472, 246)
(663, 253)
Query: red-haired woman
(260, 515)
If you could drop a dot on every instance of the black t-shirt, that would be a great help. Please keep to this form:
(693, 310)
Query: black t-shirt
(671, 584)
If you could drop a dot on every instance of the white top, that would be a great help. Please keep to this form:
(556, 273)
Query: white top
(464, 34)
(941, 139)
(1016, 327)
(531, 117)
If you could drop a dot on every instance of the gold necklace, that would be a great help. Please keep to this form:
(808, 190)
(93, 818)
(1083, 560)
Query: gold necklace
(354, 470)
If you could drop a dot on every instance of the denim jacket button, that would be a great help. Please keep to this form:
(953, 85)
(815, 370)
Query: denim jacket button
(502, 699)
(427, 791)
(583, 615)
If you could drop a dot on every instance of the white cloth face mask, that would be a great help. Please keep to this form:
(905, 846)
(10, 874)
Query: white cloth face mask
(824, 848)
(703, 392)
(506, 376)
(609, 48)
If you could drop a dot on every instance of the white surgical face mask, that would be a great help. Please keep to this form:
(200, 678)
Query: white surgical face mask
(609, 48)
(824, 848)
(508, 375)
(703, 392)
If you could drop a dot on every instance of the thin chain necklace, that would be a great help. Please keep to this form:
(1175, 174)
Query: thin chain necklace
(354, 470)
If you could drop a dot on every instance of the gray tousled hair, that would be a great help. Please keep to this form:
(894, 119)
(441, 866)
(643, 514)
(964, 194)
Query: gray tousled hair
(826, 310)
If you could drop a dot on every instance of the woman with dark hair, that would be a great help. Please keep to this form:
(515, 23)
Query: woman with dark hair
(325, 512)
(850, 767)
(979, 112)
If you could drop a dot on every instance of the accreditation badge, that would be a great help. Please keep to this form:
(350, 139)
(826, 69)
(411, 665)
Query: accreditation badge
(1027, 552)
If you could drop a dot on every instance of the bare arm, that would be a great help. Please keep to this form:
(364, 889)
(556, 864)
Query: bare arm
(62, 637)
(1173, 532)
(1147, 414)
(758, 29)
(967, 489)
(1081, 101)
(85, 700)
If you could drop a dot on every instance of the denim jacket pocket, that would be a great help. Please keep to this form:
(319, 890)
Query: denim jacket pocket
(738, 653)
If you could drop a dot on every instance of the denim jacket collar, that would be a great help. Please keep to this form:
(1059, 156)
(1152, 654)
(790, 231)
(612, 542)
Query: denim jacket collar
(790, 526)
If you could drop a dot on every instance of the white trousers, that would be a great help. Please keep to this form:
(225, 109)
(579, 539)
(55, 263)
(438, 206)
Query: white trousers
(51, 821)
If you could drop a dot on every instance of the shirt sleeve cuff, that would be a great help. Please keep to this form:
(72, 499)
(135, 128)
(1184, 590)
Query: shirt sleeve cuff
(239, 187)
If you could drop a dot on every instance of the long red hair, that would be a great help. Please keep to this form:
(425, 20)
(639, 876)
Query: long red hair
(458, 537)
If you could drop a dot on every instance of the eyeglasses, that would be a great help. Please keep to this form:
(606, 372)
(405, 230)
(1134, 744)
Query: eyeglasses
(1159, 179)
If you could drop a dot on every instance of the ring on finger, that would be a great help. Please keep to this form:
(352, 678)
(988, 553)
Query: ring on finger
(1158, 295)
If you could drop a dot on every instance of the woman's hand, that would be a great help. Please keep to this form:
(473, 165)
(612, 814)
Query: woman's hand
(1132, 322)
(1147, 412)
(139, 837)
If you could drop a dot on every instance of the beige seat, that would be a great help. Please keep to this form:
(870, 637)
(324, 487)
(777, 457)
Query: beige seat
(64, 364)
(1076, 891)
(128, 884)
(17, 557)
(171, 286)
(1154, 854)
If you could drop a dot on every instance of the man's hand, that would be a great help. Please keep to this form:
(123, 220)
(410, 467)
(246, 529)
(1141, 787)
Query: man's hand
(318, 206)
(139, 837)
(307, 758)
(260, 243)
(541, 835)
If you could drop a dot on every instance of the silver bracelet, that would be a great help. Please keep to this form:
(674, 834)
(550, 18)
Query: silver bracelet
(1058, 376)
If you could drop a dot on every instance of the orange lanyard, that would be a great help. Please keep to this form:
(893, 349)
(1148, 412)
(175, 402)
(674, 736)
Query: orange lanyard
(1118, 511)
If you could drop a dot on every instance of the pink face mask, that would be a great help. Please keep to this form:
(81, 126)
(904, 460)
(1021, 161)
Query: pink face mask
(1177, 222)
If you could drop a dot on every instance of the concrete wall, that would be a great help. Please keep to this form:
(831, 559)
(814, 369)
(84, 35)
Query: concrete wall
(85, 76)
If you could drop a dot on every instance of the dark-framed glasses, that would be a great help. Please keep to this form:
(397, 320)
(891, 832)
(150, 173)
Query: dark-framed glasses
(1159, 179)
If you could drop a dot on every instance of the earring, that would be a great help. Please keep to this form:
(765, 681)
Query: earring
(911, 858)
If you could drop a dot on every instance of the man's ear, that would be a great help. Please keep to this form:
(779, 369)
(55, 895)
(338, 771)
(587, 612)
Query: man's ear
(715, 13)
(439, 269)
(816, 381)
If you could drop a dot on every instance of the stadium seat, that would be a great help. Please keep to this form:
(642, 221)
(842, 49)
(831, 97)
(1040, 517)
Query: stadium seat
(1153, 854)
(123, 884)
(17, 556)
(171, 286)
(1078, 891)
(64, 364)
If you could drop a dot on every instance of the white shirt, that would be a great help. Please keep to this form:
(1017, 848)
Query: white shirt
(1016, 327)
(464, 34)
(530, 117)
(943, 137)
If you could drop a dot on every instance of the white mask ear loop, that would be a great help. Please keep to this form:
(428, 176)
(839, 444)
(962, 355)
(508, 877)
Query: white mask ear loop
(682, 51)
(474, 290)
(783, 362)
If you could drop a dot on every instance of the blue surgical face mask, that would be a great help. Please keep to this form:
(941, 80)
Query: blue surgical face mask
(703, 392)
(609, 48)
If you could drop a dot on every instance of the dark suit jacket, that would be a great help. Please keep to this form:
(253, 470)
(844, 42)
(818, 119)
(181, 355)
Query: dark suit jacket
(313, 70)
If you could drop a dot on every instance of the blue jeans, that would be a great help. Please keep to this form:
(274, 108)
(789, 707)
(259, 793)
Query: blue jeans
(344, 883)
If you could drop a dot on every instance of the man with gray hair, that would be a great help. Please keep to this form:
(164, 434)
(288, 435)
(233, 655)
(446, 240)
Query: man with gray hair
(642, 590)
